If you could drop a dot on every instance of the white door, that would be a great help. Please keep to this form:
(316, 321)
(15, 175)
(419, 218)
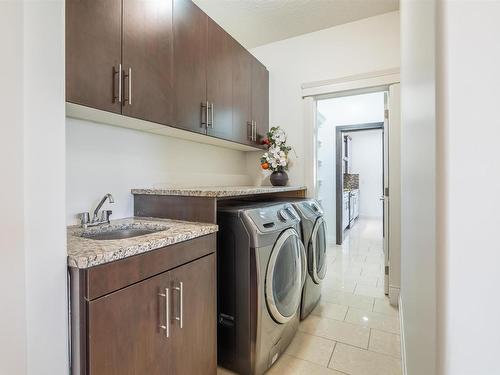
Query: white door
(392, 194)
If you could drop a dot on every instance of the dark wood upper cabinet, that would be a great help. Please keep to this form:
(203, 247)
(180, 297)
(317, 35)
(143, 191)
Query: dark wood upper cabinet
(190, 65)
(221, 48)
(242, 94)
(167, 62)
(124, 334)
(93, 53)
(148, 89)
(260, 99)
(194, 345)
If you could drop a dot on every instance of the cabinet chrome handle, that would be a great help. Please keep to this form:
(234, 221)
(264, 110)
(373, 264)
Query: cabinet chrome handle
(206, 107)
(212, 109)
(119, 73)
(120, 98)
(254, 131)
(180, 318)
(130, 86)
(129, 77)
(250, 134)
(166, 327)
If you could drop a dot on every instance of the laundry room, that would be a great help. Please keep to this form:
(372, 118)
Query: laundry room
(221, 187)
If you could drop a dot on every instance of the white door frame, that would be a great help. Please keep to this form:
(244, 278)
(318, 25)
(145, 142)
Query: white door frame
(351, 85)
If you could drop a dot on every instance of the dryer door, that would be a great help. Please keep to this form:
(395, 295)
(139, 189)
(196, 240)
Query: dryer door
(284, 278)
(317, 251)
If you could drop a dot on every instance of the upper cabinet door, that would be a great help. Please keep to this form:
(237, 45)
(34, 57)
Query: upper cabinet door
(219, 81)
(190, 66)
(194, 304)
(242, 94)
(148, 60)
(260, 99)
(93, 53)
(125, 334)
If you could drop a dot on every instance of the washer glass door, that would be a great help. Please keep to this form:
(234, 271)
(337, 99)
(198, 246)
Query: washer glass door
(317, 251)
(284, 277)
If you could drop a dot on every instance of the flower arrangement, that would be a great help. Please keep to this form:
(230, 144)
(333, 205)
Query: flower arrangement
(276, 157)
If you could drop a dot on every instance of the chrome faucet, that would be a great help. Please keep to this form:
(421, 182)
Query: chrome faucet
(96, 220)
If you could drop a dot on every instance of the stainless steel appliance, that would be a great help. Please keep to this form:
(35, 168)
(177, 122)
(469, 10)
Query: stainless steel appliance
(313, 227)
(261, 272)
(353, 206)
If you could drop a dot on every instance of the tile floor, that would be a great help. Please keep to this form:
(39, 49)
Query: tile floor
(353, 330)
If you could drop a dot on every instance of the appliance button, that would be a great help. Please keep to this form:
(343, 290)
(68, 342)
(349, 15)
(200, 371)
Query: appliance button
(282, 215)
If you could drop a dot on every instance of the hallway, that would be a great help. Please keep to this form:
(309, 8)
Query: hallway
(353, 330)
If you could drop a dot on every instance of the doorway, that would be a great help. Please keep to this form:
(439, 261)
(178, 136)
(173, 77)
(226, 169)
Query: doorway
(340, 117)
(358, 163)
(335, 116)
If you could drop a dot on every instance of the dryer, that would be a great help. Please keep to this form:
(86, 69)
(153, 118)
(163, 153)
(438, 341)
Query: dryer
(261, 273)
(314, 229)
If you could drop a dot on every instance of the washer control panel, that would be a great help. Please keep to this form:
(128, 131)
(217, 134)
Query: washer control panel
(274, 217)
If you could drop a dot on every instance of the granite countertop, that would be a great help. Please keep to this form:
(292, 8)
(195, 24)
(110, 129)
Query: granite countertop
(85, 252)
(217, 191)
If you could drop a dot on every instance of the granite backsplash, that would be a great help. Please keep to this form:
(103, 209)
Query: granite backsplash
(351, 181)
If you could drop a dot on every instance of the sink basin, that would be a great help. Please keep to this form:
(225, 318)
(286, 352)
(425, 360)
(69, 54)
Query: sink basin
(114, 233)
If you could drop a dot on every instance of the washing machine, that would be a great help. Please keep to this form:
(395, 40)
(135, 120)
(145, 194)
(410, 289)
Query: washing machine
(313, 230)
(261, 273)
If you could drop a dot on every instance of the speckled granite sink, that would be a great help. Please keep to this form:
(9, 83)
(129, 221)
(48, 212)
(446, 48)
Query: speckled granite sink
(86, 250)
(119, 232)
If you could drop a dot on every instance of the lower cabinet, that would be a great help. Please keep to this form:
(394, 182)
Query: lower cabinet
(164, 324)
(124, 330)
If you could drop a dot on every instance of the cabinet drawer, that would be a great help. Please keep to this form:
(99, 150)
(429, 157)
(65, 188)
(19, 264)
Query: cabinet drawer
(106, 278)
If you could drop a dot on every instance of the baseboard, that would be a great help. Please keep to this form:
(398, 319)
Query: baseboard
(393, 295)
(403, 341)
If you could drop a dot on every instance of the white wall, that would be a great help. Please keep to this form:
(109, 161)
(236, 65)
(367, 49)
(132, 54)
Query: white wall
(106, 159)
(367, 161)
(359, 47)
(12, 268)
(468, 82)
(33, 324)
(418, 187)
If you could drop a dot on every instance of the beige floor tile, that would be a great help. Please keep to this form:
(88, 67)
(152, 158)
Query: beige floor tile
(348, 299)
(372, 320)
(385, 343)
(369, 291)
(382, 306)
(288, 365)
(362, 280)
(223, 371)
(372, 270)
(338, 284)
(349, 272)
(348, 333)
(344, 266)
(311, 348)
(355, 361)
(330, 310)
(374, 258)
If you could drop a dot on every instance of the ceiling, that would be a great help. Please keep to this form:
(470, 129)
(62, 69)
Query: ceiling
(258, 22)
